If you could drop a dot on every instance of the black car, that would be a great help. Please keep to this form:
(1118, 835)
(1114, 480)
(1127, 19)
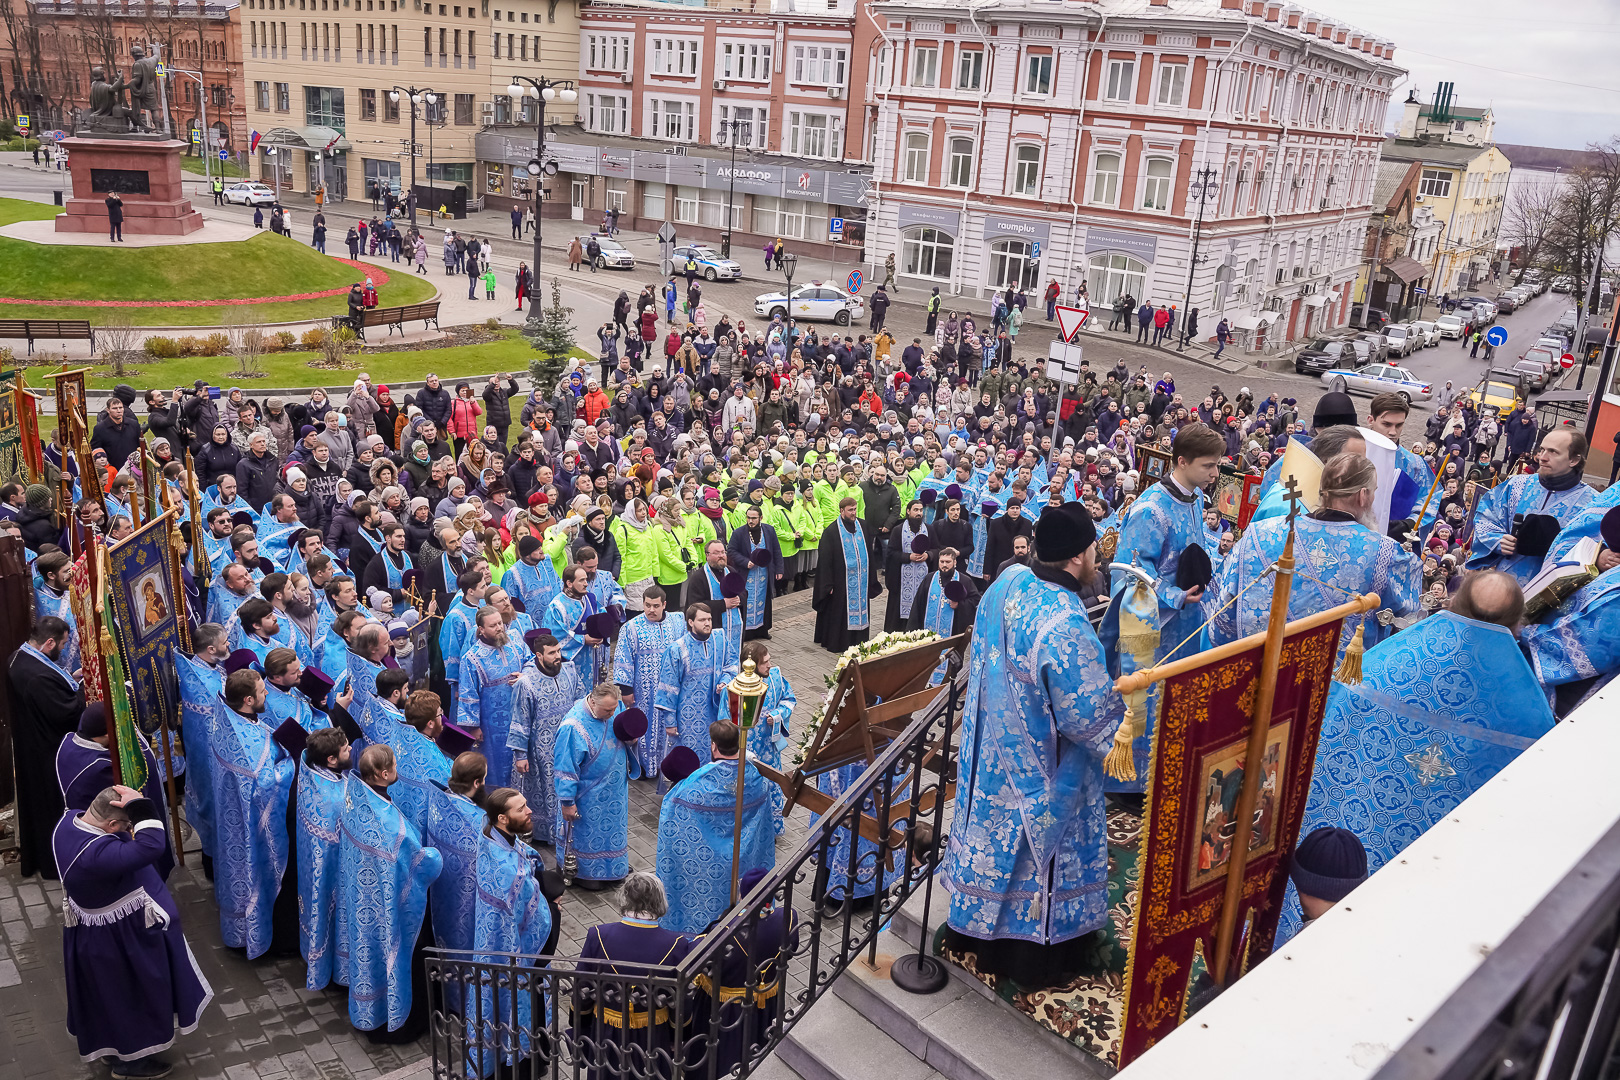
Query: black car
(1506, 303)
(1325, 354)
(1370, 318)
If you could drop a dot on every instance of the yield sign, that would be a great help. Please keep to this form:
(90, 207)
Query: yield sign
(1070, 320)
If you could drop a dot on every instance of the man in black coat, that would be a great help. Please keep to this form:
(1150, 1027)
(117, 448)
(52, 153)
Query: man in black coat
(498, 392)
(118, 433)
(998, 547)
(45, 705)
(434, 401)
(830, 598)
(163, 420)
(258, 472)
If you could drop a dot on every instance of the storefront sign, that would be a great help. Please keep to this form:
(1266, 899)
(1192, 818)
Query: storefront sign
(949, 220)
(1140, 245)
(996, 227)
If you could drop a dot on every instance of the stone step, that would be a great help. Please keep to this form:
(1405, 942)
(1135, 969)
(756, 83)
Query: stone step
(774, 1068)
(960, 1032)
(835, 1042)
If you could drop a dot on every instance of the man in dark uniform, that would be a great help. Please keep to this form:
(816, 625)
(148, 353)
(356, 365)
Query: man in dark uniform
(46, 703)
(751, 966)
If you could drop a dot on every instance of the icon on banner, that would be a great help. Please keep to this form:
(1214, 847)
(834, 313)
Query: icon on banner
(1071, 320)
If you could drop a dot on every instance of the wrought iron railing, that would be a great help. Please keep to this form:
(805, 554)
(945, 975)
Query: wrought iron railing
(1546, 1002)
(730, 1001)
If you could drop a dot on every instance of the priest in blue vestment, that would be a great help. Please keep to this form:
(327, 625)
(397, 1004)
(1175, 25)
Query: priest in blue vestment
(285, 699)
(423, 768)
(638, 664)
(511, 917)
(259, 633)
(1441, 708)
(546, 690)
(565, 618)
(53, 586)
(756, 540)
(202, 680)
(1027, 866)
(1517, 522)
(533, 578)
(1163, 530)
(457, 631)
(1336, 555)
(132, 982)
(489, 675)
(905, 566)
(384, 873)
(770, 736)
(627, 1032)
(692, 685)
(1575, 651)
(276, 529)
(695, 831)
(232, 587)
(321, 788)
(707, 584)
(455, 825)
(1585, 525)
(593, 770)
(253, 780)
(846, 581)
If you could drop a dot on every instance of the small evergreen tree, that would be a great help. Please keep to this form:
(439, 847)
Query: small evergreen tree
(551, 334)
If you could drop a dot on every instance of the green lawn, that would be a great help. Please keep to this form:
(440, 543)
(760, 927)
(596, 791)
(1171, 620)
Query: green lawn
(217, 167)
(263, 266)
(292, 369)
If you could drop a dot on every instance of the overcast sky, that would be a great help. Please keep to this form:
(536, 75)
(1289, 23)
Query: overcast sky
(1519, 57)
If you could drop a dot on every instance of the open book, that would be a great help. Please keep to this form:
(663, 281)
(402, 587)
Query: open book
(1555, 583)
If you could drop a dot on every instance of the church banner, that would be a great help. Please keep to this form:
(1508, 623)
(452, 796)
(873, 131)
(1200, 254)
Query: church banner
(147, 620)
(13, 464)
(1197, 773)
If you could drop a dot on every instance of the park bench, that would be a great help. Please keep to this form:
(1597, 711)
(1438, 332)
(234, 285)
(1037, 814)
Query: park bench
(394, 318)
(59, 329)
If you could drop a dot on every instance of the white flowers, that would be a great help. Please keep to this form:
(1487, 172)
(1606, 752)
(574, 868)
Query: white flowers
(881, 645)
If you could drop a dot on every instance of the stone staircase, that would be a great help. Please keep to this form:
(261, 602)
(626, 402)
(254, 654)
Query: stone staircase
(870, 1029)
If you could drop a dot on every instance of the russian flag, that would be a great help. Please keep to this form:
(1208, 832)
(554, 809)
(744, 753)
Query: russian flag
(253, 142)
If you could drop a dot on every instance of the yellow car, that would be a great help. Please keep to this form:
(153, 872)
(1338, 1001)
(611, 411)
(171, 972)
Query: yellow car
(1502, 395)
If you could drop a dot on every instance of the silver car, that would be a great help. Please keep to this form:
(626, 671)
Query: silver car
(1402, 339)
(1426, 332)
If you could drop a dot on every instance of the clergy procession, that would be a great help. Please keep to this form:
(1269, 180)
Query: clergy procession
(416, 683)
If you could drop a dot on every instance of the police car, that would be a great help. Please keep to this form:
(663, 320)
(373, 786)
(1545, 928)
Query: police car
(1378, 379)
(710, 264)
(816, 301)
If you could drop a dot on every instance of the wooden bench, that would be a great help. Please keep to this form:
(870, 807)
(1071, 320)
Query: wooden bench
(60, 329)
(394, 318)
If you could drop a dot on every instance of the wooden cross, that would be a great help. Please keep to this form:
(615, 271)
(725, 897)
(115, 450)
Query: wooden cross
(1294, 496)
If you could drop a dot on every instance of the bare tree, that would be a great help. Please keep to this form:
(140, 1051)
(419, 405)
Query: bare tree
(118, 336)
(1529, 219)
(244, 325)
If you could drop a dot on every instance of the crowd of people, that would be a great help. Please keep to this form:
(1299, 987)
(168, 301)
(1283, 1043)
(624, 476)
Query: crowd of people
(470, 617)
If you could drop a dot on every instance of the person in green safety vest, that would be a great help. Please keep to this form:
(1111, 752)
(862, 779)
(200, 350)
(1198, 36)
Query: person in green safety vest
(219, 191)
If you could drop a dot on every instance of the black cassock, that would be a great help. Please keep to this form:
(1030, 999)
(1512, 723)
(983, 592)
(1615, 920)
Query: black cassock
(45, 709)
(965, 612)
(999, 535)
(830, 598)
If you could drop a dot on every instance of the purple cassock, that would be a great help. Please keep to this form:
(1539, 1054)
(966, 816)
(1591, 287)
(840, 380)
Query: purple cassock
(131, 978)
(84, 768)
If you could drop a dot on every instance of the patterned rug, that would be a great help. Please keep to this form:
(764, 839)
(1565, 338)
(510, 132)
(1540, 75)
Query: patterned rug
(1088, 1011)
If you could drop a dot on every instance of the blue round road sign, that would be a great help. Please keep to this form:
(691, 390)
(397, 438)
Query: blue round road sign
(854, 282)
(1497, 335)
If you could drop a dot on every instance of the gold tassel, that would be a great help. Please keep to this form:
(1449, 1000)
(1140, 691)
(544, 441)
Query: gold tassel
(1120, 764)
(1139, 640)
(1349, 671)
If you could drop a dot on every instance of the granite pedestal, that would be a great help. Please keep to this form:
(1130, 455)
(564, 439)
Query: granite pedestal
(143, 169)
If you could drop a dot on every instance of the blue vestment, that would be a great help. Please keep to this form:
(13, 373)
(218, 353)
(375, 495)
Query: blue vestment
(320, 805)
(1494, 519)
(770, 735)
(691, 691)
(384, 874)
(489, 678)
(730, 625)
(536, 586)
(456, 634)
(222, 602)
(538, 706)
(694, 842)
(638, 662)
(47, 601)
(454, 829)
(287, 636)
(200, 687)
(592, 771)
(511, 918)
(283, 705)
(1028, 856)
(253, 779)
(565, 618)
(1584, 525)
(275, 540)
(422, 767)
(1580, 641)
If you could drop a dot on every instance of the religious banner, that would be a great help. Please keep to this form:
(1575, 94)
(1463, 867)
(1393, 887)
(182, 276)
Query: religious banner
(146, 618)
(33, 447)
(82, 595)
(1199, 762)
(70, 400)
(13, 463)
(1154, 465)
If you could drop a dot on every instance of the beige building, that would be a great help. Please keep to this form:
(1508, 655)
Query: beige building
(319, 81)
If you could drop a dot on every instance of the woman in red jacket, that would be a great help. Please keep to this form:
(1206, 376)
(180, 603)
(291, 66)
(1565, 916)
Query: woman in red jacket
(464, 413)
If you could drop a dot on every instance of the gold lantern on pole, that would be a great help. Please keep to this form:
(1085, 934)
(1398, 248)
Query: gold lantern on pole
(747, 690)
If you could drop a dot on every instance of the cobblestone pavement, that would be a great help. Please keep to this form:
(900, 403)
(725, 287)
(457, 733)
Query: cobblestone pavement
(262, 1024)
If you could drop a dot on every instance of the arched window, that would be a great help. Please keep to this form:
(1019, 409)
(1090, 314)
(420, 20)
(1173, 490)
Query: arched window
(1156, 185)
(926, 252)
(959, 172)
(1223, 287)
(1013, 263)
(1112, 276)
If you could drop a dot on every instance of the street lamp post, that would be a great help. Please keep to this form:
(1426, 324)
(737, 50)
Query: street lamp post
(732, 126)
(415, 97)
(275, 170)
(202, 104)
(1203, 186)
(790, 263)
(543, 91)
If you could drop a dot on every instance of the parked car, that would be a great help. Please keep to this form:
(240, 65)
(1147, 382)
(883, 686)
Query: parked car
(1427, 332)
(710, 263)
(1325, 354)
(250, 194)
(1451, 326)
(1377, 343)
(1371, 318)
(815, 301)
(1509, 302)
(1500, 390)
(1563, 283)
(1554, 340)
(1402, 339)
(1534, 375)
(1378, 379)
(615, 256)
(1543, 357)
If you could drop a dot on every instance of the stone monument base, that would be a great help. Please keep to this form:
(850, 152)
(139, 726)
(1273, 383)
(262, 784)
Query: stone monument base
(146, 174)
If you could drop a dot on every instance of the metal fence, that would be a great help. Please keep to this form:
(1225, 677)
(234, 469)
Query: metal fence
(1546, 1002)
(732, 999)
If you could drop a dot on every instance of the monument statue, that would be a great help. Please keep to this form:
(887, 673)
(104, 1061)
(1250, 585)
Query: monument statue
(143, 90)
(107, 112)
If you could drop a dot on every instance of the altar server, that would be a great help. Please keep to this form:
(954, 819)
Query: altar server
(692, 684)
(546, 690)
(638, 663)
(593, 789)
(321, 784)
(489, 675)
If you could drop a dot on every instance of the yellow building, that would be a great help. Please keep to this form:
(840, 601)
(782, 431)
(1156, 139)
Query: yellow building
(320, 85)
(1462, 182)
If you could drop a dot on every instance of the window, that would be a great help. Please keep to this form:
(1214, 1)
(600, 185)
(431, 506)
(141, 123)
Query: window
(917, 157)
(283, 97)
(1012, 265)
(674, 56)
(752, 125)
(1112, 276)
(381, 174)
(1435, 182)
(390, 110)
(323, 105)
(814, 135)
(653, 201)
(1105, 179)
(819, 65)
(261, 96)
(790, 218)
(882, 80)
(926, 252)
(748, 61)
(368, 104)
(608, 113)
(1027, 171)
(924, 65)
(1173, 84)
(686, 204)
(1038, 74)
(969, 69)
(1156, 186)
(1121, 78)
(959, 171)
(674, 120)
(603, 52)
(503, 109)
(464, 109)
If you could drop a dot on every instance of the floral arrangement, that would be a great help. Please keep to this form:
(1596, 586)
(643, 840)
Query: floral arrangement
(882, 645)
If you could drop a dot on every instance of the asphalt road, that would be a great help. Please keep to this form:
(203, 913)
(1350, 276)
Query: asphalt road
(1449, 360)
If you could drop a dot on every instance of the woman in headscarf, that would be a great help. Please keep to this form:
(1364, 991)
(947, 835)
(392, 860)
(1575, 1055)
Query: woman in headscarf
(311, 510)
(456, 494)
(638, 549)
(473, 462)
(673, 550)
(218, 457)
(418, 470)
(418, 524)
(361, 405)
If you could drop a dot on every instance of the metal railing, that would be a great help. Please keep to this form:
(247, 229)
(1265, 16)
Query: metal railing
(1546, 1002)
(759, 969)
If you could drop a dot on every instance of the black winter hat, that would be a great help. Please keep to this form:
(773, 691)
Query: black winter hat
(1063, 532)
(1328, 864)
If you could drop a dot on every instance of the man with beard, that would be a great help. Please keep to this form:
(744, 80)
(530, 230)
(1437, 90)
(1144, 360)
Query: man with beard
(511, 918)
(267, 625)
(457, 632)
(1518, 520)
(593, 771)
(693, 685)
(905, 566)
(46, 703)
(758, 580)
(1001, 536)
(566, 619)
(546, 690)
(1019, 556)
(321, 786)
(51, 597)
(490, 673)
(217, 538)
(284, 700)
(599, 581)
(386, 569)
(638, 664)
(938, 607)
(454, 823)
(704, 585)
(846, 581)
(232, 589)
